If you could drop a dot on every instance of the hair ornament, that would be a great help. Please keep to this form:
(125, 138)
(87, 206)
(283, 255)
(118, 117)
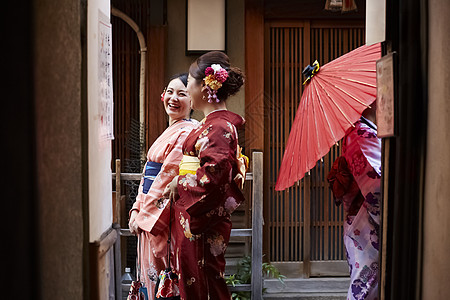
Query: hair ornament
(215, 77)
(163, 94)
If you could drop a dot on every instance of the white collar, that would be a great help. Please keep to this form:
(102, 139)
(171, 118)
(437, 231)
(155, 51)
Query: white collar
(371, 124)
(215, 111)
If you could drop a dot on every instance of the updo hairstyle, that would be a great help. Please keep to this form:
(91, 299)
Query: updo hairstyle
(235, 76)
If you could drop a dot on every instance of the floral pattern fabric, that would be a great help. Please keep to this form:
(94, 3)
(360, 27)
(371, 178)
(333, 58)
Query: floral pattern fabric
(362, 151)
(167, 150)
(202, 213)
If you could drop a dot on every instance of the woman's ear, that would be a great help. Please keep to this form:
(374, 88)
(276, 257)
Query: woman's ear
(203, 87)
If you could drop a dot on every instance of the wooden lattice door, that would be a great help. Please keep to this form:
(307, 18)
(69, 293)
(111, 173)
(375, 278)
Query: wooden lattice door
(304, 230)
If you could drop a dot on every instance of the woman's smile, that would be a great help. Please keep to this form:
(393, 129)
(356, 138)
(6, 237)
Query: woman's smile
(176, 100)
(174, 106)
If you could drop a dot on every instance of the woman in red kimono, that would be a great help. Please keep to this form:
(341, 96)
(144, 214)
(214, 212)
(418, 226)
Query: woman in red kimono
(206, 192)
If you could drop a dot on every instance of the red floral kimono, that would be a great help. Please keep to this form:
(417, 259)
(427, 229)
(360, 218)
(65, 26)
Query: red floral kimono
(202, 223)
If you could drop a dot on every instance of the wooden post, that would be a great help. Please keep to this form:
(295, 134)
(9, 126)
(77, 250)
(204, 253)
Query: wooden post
(384, 216)
(257, 226)
(100, 265)
(118, 192)
(254, 70)
(117, 263)
(307, 227)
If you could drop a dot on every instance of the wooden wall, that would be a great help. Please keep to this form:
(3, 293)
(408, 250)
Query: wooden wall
(126, 70)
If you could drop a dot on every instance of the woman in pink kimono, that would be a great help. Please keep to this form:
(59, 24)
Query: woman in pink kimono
(163, 159)
(355, 180)
(206, 191)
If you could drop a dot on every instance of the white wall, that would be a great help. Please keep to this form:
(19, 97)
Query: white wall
(375, 21)
(100, 182)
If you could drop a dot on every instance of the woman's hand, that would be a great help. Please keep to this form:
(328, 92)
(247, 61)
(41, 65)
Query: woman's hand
(134, 227)
(171, 190)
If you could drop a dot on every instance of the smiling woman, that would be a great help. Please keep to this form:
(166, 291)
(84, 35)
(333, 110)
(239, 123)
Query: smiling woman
(163, 159)
(176, 99)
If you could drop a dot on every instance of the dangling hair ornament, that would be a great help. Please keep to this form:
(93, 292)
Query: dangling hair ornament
(215, 76)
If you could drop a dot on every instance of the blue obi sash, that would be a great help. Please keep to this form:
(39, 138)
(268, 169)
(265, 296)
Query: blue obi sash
(151, 171)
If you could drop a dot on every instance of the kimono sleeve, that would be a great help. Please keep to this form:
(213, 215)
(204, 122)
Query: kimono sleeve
(363, 155)
(151, 206)
(216, 148)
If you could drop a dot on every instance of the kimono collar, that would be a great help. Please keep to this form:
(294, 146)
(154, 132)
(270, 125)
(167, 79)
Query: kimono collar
(364, 121)
(182, 122)
(368, 123)
(227, 115)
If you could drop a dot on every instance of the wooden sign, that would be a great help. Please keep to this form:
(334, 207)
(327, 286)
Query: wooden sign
(386, 110)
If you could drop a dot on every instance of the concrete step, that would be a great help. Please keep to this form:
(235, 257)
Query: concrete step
(319, 296)
(308, 297)
(332, 288)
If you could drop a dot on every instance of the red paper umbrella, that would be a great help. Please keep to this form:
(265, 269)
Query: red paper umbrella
(335, 96)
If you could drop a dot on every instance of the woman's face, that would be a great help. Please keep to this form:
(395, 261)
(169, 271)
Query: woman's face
(176, 100)
(195, 92)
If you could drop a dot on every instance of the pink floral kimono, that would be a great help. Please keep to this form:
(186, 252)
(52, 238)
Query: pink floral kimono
(356, 183)
(163, 158)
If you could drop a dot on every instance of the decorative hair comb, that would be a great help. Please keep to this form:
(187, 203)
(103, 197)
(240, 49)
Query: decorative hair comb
(215, 77)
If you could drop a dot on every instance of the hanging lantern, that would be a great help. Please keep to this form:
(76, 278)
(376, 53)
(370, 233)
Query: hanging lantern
(340, 5)
(333, 5)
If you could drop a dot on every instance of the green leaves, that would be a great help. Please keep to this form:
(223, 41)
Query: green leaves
(232, 280)
(272, 271)
(244, 276)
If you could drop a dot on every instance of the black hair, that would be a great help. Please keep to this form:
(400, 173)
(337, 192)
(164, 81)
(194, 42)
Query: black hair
(235, 76)
(182, 76)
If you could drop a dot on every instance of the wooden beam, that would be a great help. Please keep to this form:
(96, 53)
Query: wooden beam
(254, 69)
(307, 228)
(101, 267)
(116, 216)
(156, 81)
(105, 244)
(257, 226)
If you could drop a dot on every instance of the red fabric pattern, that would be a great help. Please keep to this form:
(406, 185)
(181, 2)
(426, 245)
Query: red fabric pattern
(202, 223)
(344, 187)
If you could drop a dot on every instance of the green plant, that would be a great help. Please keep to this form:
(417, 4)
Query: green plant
(244, 275)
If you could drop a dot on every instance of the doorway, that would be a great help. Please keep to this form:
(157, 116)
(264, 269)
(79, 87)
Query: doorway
(305, 228)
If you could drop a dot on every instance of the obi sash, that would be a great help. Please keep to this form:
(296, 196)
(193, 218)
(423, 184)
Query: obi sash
(151, 171)
(189, 164)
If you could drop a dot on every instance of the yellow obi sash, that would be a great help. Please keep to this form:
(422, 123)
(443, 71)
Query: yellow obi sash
(189, 164)
(242, 162)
